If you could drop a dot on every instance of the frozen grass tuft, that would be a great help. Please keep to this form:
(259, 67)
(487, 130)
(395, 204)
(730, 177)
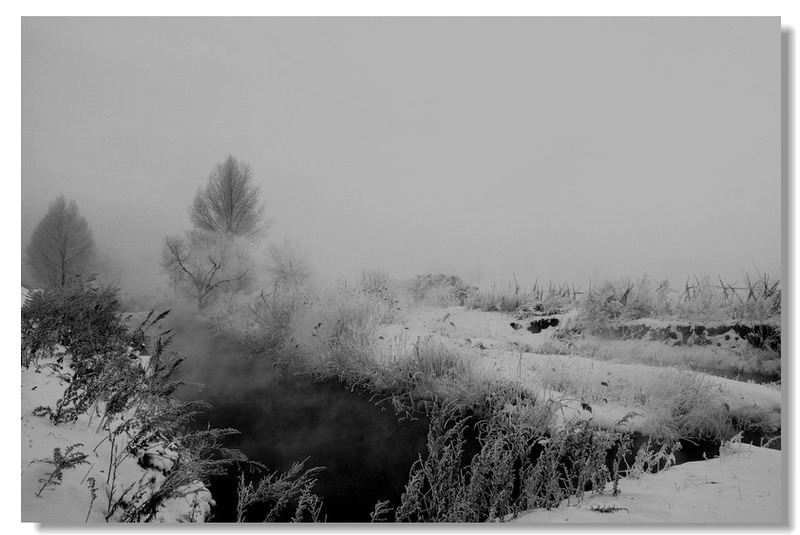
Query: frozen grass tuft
(683, 405)
(552, 299)
(521, 464)
(437, 360)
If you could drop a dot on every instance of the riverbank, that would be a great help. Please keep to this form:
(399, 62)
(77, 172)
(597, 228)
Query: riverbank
(92, 491)
(586, 388)
(102, 440)
(744, 485)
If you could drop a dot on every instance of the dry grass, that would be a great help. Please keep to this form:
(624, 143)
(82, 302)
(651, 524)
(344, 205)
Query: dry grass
(699, 300)
(683, 405)
(334, 333)
(437, 360)
(521, 464)
(545, 300)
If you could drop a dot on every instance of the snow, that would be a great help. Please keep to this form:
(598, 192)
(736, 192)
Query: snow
(738, 395)
(70, 502)
(500, 351)
(742, 486)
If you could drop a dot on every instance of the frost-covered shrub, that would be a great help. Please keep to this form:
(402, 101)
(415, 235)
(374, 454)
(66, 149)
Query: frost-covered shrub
(522, 463)
(334, 331)
(377, 284)
(601, 306)
(132, 402)
(440, 290)
(624, 301)
(85, 319)
(81, 316)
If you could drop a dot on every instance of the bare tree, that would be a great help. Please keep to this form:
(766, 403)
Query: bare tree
(229, 203)
(61, 245)
(199, 263)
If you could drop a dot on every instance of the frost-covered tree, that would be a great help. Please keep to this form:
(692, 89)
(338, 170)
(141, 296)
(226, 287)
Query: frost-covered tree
(229, 203)
(61, 245)
(199, 263)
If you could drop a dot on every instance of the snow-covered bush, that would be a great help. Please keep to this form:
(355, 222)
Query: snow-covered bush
(81, 316)
(105, 379)
(440, 290)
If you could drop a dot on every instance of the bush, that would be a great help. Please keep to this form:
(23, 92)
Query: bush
(285, 496)
(685, 406)
(377, 284)
(134, 403)
(440, 290)
(521, 464)
(600, 307)
(84, 319)
(261, 321)
(437, 360)
(334, 334)
(624, 301)
(80, 316)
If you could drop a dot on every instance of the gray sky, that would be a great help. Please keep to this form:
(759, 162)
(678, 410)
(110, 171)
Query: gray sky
(556, 149)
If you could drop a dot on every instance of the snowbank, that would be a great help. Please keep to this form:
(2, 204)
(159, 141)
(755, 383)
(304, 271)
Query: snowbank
(742, 486)
(71, 501)
(497, 350)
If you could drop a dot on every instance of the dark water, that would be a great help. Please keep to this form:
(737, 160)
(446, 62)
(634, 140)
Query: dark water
(283, 418)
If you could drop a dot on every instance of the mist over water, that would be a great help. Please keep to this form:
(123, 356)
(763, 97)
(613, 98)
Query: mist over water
(285, 418)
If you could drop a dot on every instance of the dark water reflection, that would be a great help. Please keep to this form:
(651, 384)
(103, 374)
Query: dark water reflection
(283, 418)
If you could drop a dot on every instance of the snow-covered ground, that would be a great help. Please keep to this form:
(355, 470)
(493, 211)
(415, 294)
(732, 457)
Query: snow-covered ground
(743, 486)
(495, 349)
(89, 492)
(70, 502)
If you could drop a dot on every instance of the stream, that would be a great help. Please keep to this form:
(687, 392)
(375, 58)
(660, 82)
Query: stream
(285, 418)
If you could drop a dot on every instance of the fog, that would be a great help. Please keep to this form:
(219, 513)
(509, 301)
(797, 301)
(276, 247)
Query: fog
(549, 149)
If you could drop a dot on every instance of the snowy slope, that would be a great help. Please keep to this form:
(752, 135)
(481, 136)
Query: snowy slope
(743, 487)
(70, 502)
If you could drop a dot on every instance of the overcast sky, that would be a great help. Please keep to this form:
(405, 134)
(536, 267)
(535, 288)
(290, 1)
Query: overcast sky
(557, 149)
